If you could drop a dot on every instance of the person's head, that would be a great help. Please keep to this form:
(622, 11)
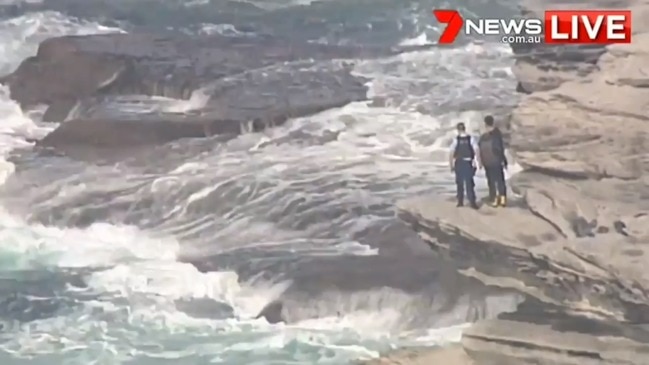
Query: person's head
(461, 128)
(489, 122)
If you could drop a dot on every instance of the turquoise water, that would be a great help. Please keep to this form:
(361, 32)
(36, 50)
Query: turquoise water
(113, 293)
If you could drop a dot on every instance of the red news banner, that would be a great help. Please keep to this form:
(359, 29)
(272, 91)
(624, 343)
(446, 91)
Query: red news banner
(557, 27)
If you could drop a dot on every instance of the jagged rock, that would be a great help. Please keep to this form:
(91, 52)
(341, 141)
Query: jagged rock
(272, 312)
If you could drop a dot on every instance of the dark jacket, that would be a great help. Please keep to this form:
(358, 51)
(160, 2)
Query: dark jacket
(497, 144)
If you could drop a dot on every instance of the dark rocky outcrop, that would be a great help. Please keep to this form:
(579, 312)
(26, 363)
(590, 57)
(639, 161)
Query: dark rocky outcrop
(245, 84)
(426, 290)
(272, 312)
(247, 102)
(77, 67)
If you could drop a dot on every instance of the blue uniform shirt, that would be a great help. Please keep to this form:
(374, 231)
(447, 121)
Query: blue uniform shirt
(474, 144)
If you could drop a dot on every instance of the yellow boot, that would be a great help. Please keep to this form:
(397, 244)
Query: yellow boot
(502, 201)
(496, 202)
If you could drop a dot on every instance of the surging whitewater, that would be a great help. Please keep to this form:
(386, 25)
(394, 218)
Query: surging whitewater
(113, 293)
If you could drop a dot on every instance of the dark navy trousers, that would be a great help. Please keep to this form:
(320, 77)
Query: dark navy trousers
(464, 173)
(496, 181)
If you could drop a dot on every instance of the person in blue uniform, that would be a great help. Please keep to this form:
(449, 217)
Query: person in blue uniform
(463, 162)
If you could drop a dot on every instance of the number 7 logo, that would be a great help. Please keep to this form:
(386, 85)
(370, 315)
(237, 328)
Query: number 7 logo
(454, 22)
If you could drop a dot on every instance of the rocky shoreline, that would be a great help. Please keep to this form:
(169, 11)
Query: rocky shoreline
(575, 243)
(232, 85)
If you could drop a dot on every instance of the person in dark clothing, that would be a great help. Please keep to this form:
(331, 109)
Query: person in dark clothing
(462, 160)
(494, 161)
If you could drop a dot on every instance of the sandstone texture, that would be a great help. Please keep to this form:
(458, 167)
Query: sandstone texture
(576, 241)
(422, 356)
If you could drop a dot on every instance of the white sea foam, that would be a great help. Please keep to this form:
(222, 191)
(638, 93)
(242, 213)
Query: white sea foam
(136, 279)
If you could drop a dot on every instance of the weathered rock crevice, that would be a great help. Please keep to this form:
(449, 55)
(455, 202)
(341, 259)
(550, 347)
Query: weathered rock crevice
(567, 282)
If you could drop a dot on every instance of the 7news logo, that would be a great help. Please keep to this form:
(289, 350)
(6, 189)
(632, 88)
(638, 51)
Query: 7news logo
(557, 27)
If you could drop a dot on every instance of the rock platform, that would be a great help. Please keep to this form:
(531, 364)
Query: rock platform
(576, 243)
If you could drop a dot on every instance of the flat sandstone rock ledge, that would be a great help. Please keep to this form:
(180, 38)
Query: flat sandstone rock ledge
(579, 242)
(601, 276)
(448, 355)
(567, 341)
(540, 336)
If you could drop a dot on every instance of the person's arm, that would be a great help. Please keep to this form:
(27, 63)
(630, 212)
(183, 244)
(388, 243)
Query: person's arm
(476, 151)
(499, 145)
(451, 154)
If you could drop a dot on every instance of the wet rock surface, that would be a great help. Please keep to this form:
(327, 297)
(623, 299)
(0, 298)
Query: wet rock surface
(241, 103)
(236, 84)
(76, 67)
(454, 354)
(575, 241)
(317, 287)
(554, 339)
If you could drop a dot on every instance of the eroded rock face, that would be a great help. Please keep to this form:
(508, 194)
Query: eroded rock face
(583, 145)
(541, 67)
(548, 337)
(576, 241)
(514, 248)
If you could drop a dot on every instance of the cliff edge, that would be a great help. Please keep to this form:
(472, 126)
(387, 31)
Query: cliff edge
(577, 241)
